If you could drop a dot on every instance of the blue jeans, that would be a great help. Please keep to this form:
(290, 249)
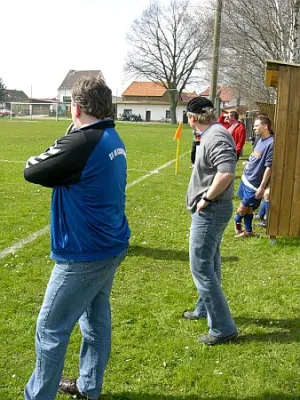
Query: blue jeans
(76, 291)
(205, 262)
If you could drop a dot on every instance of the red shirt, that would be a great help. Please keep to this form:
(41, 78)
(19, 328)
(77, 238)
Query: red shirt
(238, 134)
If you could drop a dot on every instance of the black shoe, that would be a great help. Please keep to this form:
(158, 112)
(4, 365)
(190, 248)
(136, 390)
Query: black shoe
(68, 386)
(212, 340)
(190, 315)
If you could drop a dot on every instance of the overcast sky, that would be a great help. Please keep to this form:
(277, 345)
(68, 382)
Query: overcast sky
(42, 40)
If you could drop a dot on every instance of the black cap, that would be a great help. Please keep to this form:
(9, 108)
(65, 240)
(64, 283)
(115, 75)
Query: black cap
(197, 104)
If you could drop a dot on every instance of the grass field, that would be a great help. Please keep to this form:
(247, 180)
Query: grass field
(156, 354)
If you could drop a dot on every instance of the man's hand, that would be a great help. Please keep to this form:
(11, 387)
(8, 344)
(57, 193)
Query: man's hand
(259, 193)
(201, 205)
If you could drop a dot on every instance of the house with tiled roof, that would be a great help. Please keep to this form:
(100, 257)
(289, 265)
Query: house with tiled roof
(228, 99)
(64, 90)
(225, 94)
(14, 95)
(151, 101)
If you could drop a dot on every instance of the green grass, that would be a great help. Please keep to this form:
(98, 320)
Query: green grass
(156, 355)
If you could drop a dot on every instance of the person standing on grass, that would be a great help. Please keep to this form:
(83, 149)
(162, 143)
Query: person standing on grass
(209, 199)
(89, 239)
(236, 128)
(255, 178)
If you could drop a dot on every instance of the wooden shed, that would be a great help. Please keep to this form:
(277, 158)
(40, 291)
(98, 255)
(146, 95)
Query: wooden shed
(284, 210)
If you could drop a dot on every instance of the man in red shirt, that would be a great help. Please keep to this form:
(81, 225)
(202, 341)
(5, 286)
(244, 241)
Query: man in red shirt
(237, 130)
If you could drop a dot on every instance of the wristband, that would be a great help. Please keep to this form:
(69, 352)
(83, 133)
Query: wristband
(206, 199)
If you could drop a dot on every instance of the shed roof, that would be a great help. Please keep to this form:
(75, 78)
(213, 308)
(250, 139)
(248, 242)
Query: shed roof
(15, 95)
(272, 71)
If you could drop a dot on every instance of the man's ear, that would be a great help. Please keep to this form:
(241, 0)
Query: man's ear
(77, 111)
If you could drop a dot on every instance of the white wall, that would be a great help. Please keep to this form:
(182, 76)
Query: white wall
(158, 111)
(63, 93)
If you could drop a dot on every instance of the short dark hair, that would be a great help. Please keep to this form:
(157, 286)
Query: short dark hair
(265, 120)
(93, 97)
(234, 114)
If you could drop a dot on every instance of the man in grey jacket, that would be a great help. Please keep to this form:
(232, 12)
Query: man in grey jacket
(209, 199)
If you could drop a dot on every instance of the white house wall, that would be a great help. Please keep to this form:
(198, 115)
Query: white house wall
(63, 93)
(158, 111)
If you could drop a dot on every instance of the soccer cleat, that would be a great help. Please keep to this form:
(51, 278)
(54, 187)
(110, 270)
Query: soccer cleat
(238, 227)
(262, 223)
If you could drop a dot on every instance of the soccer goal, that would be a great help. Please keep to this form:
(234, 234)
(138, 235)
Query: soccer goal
(40, 110)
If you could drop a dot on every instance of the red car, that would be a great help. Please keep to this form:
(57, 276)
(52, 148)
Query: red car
(6, 113)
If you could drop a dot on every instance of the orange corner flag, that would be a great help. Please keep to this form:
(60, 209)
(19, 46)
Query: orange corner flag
(178, 132)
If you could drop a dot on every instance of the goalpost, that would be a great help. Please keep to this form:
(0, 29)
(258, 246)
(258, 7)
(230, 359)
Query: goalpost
(39, 110)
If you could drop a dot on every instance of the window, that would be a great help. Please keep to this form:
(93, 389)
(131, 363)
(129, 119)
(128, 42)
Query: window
(67, 99)
(168, 114)
(127, 112)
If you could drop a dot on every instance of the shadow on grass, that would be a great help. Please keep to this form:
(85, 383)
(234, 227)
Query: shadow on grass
(290, 242)
(230, 259)
(148, 396)
(280, 330)
(165, 254)
(159, 254)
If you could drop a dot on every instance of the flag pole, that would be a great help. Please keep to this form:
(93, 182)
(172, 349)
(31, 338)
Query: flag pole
(177, 137)
(177, 156)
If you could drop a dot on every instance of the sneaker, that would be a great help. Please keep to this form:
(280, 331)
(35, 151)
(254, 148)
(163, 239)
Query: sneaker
(191, 315)
(238, 227)
(68, 386)
(244, 234)
(262, 223)
(212, 340)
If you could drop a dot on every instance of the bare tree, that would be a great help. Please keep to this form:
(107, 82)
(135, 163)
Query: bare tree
(253, 32)
(2, 91)
(167, 46)
(296, 30)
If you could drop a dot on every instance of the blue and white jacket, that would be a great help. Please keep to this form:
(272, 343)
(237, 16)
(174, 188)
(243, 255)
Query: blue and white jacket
(87, 171)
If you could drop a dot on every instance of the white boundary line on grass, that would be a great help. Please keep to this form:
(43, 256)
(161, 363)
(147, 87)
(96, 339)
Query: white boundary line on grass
(23, 162)
(21, 243)
(35, 235)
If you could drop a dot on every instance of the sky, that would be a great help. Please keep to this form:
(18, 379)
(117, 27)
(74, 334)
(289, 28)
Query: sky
(42, 40)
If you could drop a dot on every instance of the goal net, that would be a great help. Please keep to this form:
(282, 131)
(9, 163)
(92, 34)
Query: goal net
(40, 110)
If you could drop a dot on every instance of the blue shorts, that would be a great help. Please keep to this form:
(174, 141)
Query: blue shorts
(247, 195)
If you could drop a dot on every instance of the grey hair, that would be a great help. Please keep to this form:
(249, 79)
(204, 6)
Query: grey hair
(208, 116)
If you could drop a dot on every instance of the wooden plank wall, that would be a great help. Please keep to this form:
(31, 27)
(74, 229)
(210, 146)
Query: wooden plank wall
(284, 211)
(269, 109)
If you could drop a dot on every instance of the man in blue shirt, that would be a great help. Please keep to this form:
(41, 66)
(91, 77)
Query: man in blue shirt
(255, 178)
(89, 238)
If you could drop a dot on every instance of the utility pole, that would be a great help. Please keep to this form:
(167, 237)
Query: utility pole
(215, 57)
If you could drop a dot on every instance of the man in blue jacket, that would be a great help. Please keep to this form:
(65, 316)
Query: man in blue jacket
(89, 239)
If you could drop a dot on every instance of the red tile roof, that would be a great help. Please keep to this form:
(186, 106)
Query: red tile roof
(186, 97)
(224, 93)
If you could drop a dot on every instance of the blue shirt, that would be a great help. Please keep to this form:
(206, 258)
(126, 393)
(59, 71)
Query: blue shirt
(259, 160)
(87, 171)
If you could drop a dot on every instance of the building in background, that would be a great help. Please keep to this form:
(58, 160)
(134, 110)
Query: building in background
(150, 101)
(64, 90)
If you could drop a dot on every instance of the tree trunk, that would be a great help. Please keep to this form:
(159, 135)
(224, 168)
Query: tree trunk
(173, 96)
(296, 44)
